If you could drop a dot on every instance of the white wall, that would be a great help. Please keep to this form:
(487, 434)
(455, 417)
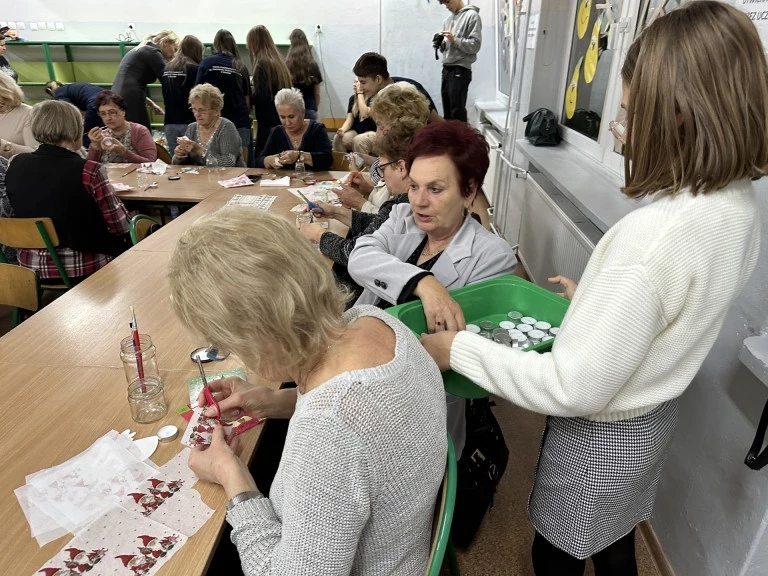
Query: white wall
(402, 30)
(712, 510)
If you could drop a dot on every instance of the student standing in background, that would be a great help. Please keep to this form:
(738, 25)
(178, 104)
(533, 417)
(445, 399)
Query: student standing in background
(5, 66)
(462, 32)
(270, 75)
(139, 68)
(305, 73)
(225, 70)
(177, 80)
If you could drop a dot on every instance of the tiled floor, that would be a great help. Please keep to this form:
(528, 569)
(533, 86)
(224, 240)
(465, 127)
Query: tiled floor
(503, 544)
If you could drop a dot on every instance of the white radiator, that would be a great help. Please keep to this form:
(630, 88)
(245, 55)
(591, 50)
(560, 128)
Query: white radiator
(555, 237)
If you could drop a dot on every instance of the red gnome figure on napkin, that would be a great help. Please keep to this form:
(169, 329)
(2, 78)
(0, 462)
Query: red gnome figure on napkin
(147, 501)
(139, 565)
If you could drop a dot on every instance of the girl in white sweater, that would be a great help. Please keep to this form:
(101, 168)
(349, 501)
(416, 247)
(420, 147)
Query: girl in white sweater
(653, 296)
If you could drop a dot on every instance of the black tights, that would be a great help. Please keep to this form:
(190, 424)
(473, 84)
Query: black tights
(618, 559)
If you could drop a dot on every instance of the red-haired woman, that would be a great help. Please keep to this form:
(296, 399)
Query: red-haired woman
(432, 243)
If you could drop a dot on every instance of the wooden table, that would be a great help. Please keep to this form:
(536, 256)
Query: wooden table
(190, 188)
(63, 384)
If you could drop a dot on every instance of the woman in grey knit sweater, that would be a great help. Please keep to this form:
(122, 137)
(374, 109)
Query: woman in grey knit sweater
(366, 444)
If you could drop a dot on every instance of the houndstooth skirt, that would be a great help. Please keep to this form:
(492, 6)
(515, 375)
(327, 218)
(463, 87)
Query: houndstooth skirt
(596, 481)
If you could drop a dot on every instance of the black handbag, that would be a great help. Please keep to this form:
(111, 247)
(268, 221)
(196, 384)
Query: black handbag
(585, 121)
(541, 128)
(480, 468)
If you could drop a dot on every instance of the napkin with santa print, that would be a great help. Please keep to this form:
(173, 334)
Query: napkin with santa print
(120, 542)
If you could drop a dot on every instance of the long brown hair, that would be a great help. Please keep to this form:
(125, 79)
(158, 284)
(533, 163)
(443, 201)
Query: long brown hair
(224, 42)
(190, 52)
(698, 102)
(299, 60)
(264, 56)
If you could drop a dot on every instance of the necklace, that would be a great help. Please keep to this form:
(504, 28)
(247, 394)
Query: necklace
(296, 140)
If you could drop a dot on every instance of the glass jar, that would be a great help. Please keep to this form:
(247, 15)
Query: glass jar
(146, 398)
(131, 360)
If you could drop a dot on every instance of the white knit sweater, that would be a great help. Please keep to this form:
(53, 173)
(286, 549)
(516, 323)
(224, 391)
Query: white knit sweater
(362, 463)
(645, 314)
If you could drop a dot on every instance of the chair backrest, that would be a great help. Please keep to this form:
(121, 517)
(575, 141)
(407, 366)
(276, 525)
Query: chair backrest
(141, 227)
(340, 161)
(19, 287)
(25, 233)
(441, 527)
(162, 154)
(35, 233)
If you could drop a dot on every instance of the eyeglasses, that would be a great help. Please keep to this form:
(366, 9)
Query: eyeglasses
(619, 130)
(199, 110)
(380, 169)
(109, 113)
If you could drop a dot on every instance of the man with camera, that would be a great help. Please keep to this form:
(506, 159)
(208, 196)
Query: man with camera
(459, 42)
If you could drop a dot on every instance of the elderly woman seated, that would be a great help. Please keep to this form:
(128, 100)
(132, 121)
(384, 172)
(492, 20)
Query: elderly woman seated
(400, 101)
(15, 133)
(211, 139)
(366, 446)
(296, 138)
(55, 182)
(432, 243)
(119, 140)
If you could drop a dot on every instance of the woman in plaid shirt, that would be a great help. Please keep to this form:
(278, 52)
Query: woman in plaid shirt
(55, 182)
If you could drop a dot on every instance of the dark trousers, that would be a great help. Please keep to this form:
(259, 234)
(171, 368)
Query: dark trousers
(616, 560)
(454, 89)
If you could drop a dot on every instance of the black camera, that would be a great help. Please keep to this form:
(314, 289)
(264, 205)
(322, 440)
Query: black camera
(437, 41)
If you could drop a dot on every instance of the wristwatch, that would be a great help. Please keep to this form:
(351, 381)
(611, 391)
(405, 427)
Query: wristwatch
(301, 156)
(7, 147)
(242, 497)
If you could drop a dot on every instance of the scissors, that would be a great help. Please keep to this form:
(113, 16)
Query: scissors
(312, 205)
(209, 399)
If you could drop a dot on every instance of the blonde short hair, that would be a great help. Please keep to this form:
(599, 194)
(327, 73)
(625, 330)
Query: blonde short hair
(208, 95)
(11, 95)
(247, 281)
(399, 100)
(161, 38)
(698, 102)
(55, 122)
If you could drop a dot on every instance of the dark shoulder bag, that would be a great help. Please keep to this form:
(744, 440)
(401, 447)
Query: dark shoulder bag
(480, 468)
(541, 128)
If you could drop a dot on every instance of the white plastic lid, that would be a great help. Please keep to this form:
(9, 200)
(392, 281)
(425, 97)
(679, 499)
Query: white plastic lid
(524, 327)
(474, 328)
(528, 320)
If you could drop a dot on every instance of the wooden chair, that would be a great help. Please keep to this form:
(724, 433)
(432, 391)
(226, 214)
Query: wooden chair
(20, 288)
(35, 233)
(141, 227)
(441, 527)
(163, 154)
(340, 161)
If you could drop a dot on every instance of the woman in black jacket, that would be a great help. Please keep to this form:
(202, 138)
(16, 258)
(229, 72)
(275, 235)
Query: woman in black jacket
(139, 68)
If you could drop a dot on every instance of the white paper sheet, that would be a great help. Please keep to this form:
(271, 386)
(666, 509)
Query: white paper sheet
(284, 181)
